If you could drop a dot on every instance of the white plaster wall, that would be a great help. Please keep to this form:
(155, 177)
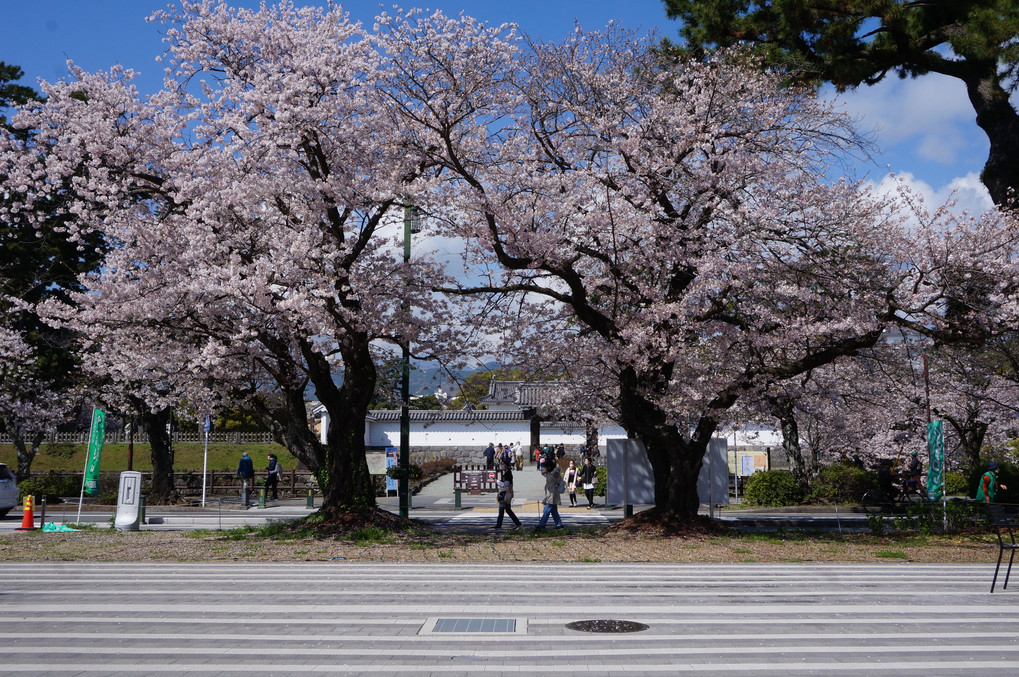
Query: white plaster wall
(476, 434)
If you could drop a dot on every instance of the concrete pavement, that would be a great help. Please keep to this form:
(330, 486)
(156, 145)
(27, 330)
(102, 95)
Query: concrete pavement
(435, 506)
(346, 618)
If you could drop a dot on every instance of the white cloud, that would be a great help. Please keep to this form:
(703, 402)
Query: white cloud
(966, 192)
(930, 117)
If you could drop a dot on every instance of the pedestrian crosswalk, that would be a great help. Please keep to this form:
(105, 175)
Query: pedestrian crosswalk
(504, 619)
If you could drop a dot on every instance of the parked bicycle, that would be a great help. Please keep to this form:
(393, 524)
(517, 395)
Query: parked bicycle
(894, 498)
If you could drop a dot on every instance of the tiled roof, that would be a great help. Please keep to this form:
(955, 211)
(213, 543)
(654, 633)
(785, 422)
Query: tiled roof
(447, 415)
(520, 393)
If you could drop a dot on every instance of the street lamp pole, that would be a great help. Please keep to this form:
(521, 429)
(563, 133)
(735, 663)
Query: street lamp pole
(403, 486)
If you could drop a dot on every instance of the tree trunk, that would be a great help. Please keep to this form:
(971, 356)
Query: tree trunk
(802, 468)
(590, 435)
(675, 460)
(971, 432)
(999, 120)
(344, 479)
(26, 451)
(162, 490)
(289, 427)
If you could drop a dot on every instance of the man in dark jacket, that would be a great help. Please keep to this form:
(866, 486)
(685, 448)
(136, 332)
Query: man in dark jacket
(272, 477)
(246, 471)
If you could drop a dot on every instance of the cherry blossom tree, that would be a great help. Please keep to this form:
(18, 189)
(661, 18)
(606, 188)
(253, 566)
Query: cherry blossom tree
(30, 408)
(247, 206)
(683, 216)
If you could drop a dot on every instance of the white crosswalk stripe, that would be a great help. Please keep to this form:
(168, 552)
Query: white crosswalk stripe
(377, 619)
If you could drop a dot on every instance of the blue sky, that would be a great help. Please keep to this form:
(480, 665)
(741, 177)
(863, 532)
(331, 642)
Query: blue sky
(925, 128)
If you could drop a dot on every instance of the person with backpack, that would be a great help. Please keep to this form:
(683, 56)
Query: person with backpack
(490, 456)
(505, 497)
(508, 455)
(989, 484)
(553, 486)
(272, 477)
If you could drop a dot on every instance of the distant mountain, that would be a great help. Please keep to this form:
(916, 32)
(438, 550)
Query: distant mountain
(425, 380)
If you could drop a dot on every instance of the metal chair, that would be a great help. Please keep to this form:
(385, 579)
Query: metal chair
(1003, 525)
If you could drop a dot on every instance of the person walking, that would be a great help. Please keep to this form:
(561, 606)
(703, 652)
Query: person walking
(989, 484)
(520, 453)
(553, 478)
(272, 477)
(588, 476)
(246, 471)
(572, 476)
(490, 456)
(505, 497)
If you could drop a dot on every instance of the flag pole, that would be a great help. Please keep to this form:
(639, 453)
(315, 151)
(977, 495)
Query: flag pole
(205, 462)
(81, 496)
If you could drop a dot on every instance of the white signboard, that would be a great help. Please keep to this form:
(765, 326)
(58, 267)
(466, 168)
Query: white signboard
(376, 462)
(129, 501)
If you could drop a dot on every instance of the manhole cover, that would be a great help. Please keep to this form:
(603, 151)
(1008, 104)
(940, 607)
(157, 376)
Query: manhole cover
(607, 626)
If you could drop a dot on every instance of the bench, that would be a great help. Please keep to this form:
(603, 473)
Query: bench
(1003, 526)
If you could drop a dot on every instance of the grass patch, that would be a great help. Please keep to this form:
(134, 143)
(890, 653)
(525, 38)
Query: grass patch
(238, 534)
(589, 560)
(891, 554)
(365, 536)
(557, 543)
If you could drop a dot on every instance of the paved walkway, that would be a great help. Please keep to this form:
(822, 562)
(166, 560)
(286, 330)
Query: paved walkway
(389, 619)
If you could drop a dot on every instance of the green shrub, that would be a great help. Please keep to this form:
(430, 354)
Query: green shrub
(955, 517)
(601, 485)
(842, 483)
(772, 488)
(50, 484)
(955, 483)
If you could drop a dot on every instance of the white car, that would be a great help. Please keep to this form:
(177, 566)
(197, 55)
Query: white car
(8, 490)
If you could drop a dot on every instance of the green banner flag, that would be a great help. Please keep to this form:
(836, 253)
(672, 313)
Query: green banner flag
(96, 438)
(936, 456)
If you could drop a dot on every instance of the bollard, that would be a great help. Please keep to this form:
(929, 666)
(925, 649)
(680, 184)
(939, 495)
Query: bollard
(42, 511)
(311, 497)
(261, 498)
(141, 509)
(457, 505)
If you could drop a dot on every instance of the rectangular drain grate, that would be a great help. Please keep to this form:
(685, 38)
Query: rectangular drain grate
(480, 626)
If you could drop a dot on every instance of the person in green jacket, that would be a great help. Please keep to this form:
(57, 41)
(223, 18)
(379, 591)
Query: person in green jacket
(989, 484)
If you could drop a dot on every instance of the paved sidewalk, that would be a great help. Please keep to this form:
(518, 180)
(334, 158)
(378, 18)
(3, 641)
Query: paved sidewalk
(346, 618)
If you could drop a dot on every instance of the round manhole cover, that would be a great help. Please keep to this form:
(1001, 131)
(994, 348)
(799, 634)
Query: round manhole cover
(607, 626)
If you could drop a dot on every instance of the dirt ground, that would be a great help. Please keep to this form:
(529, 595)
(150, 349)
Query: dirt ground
(401, 543)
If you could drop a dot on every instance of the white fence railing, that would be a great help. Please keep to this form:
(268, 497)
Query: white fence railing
(141, 438)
